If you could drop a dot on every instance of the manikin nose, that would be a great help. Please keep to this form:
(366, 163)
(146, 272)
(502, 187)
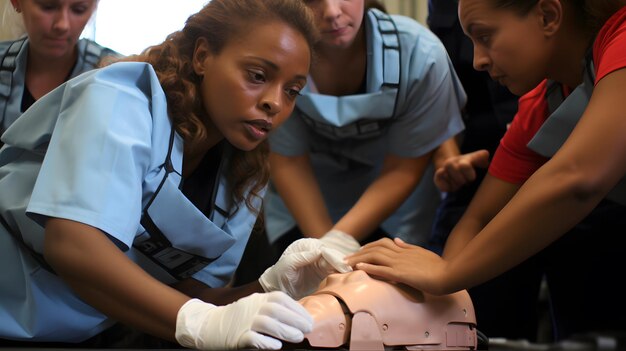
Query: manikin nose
(333, 279)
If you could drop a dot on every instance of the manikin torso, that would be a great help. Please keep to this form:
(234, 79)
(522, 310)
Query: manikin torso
(371, 314)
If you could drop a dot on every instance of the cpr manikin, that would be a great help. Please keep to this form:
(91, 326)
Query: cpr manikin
(369, 314)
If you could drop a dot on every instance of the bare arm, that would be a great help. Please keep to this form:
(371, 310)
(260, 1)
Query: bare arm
(492, 195)
(398, 178)
(558, 196)
(216, 296)
(418, 267)
(295, 181)
(108, 280)
(449, 148)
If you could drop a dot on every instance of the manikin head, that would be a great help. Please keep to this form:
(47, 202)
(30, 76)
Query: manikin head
(373, 314)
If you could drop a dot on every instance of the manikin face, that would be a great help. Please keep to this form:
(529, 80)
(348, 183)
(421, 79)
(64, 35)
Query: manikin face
(54, 26)
(339, 21)
(251, 86)
(353, 279)
(512, 48)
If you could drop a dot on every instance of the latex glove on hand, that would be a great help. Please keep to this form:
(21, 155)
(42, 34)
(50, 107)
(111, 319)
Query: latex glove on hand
(256, 321)
(302, 267)
(340, 241)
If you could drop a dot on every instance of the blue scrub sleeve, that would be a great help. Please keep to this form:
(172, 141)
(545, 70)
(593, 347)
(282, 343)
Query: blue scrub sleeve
(431, 113)
(98, 155)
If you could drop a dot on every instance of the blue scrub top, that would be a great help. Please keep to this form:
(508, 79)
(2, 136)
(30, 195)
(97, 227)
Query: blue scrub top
(427, 110)
(93, 151)
(13, 61)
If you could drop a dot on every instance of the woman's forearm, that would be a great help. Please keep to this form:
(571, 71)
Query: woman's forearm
(492, 195)
(394, 185)
(543, 210)
(449, 148)
(108, 280)
(216, 296)
(295, 181)
(558, 195)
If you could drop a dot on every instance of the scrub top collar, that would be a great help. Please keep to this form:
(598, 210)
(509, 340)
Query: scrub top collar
(179, 237)
(361, 115)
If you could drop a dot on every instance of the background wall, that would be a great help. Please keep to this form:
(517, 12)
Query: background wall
(158, 20)
(107, 31)
(417, 9)
(11, 26)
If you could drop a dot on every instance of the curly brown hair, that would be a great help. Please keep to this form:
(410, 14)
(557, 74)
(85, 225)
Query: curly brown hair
(219, 22)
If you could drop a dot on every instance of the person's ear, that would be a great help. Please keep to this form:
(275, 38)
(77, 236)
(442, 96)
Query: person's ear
(551, 15)
(200, 53)
(16, 6)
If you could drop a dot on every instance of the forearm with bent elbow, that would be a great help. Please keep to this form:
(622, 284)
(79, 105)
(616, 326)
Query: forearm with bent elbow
(449, 148)
(557, 196)
(295, 181)
(550, 203)
(105, 278)
(394, 185)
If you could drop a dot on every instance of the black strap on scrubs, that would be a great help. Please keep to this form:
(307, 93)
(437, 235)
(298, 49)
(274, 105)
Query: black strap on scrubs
(7, 66)
(178, 263)
(158, 248)
(365, 128)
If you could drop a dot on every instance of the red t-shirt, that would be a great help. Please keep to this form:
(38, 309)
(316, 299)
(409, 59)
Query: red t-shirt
(513, 161)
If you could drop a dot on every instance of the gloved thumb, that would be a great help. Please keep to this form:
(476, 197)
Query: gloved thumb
(333, 261)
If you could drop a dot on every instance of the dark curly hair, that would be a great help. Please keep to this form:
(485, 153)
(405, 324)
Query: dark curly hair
(219, 22)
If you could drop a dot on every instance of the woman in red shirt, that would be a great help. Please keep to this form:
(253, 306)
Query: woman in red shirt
(530, 199)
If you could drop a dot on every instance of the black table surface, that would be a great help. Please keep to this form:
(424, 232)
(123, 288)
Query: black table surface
(614, 341)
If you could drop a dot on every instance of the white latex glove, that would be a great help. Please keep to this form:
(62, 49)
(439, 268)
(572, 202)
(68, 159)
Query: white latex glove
(256, 321)
(340, 241)
(302, 267)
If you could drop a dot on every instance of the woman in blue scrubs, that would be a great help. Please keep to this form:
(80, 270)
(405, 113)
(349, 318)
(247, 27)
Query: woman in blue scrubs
(354, 161)
(129, 192)
(49, 54)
